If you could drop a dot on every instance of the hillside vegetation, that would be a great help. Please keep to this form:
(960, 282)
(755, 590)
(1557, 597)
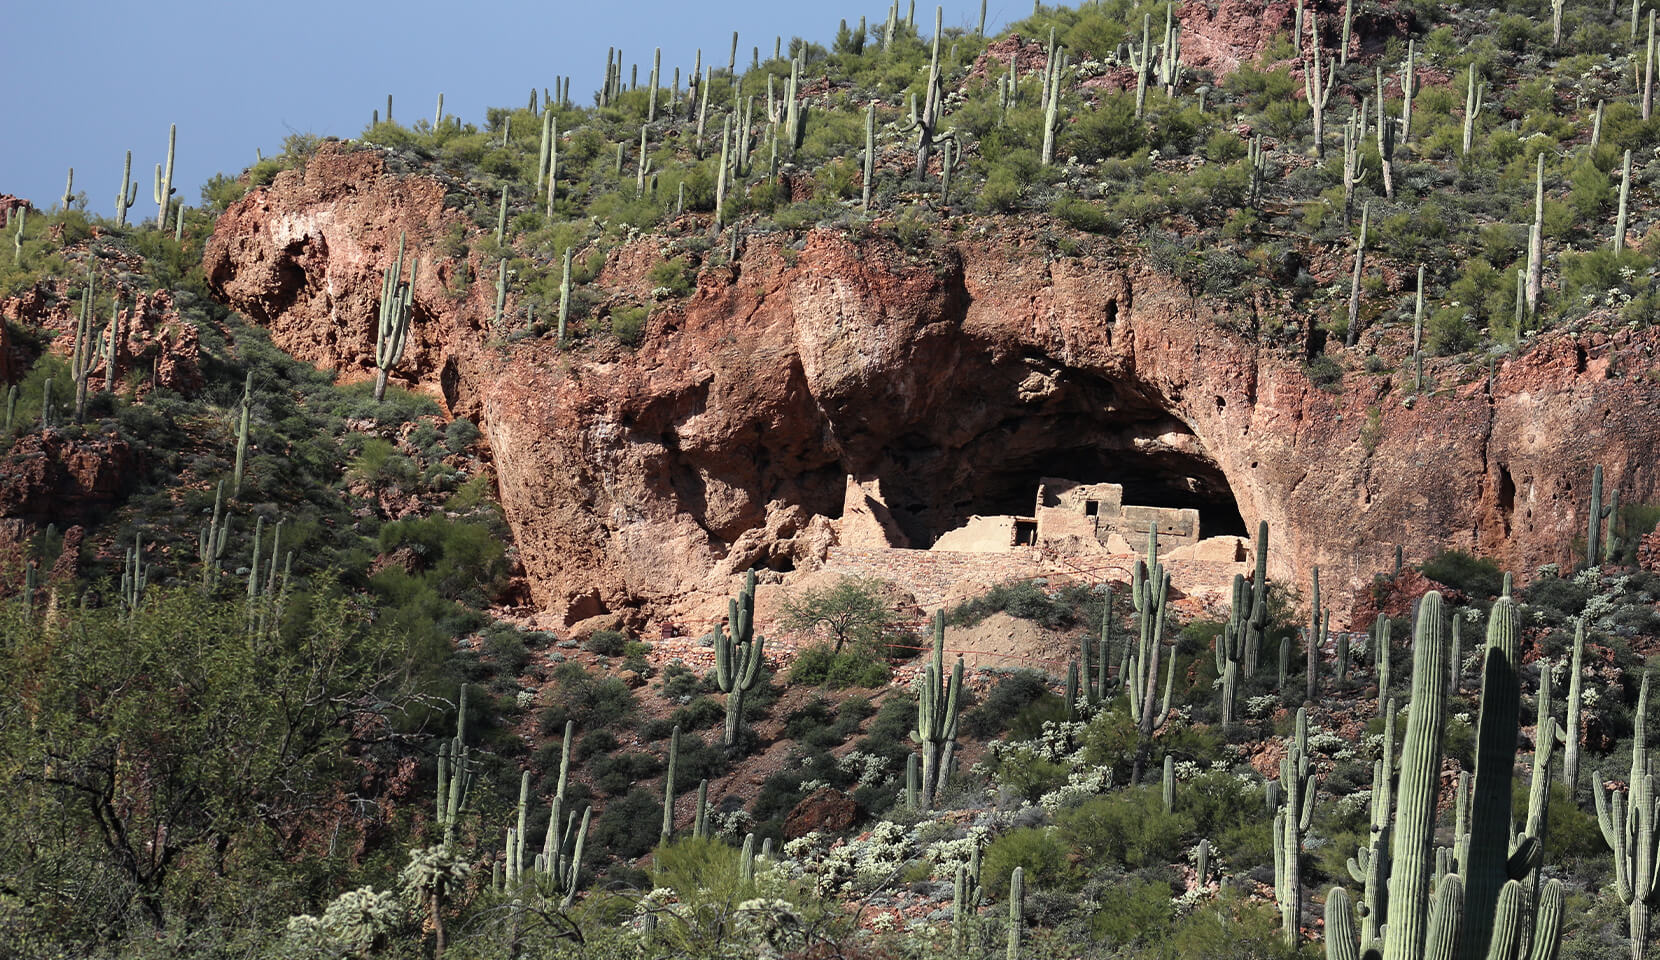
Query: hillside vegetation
(272, 692)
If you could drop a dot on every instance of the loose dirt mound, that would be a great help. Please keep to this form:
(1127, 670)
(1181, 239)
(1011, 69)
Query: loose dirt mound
(1004, 641)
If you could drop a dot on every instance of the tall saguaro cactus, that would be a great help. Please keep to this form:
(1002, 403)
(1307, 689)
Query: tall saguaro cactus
(1627, 819)
(1493, 860)
(1419, 924)
(164, 181)
(937, 705)
(392, 332)
(738, 657)
(1297, 786)
(1150, 587)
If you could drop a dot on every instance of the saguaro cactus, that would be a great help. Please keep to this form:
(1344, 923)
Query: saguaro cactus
(127, 194)
(164, 182)
(1297, 785)
(738, 657)
(937, 705)
(392, 333)
(1150, 587)
(1417, 927)
(1017, 910)
(1627, 819)
(1317, 90)
(1493, 860)
(668, 786)
(1570, 728)
(1595, 517)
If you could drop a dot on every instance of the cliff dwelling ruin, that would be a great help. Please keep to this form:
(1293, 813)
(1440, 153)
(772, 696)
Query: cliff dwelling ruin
(1070, 528)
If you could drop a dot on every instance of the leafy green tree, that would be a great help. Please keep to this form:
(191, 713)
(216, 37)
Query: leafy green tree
(144, 756)
(853, 609)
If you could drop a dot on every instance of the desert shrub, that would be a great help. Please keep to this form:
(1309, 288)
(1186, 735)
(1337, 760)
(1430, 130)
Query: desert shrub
(1476, 577)
(1130, 828)
(628, 324)
(819, 665)
(889, 734)
(608, 643)
(1563, 598)
(1025, 599)
(458, 559)
(1013, 693)
(592, 700)
(598, 742)
(1136, 910)
(1038, 850)
(506, 647)
(1082, 214)
(673, 276)
(680, 682)
(615, 773)
(628, 827)
(1028, 774)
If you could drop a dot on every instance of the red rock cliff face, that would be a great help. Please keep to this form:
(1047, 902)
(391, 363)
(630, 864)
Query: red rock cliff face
(640, 480)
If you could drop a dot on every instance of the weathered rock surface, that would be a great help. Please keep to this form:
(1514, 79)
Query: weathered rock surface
(826, 810)
(645, 480)
(46, 478)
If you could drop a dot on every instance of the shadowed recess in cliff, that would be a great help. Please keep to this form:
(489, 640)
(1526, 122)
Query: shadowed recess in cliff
(1007, 428)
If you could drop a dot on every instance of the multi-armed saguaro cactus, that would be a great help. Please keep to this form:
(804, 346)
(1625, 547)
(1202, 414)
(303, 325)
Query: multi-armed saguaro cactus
(1495, 858)
(1297, 786)
(1474, 100)
(1317, 89)
(210, 546)
(135, 576)
(1419, 924)
(1628, 824)
(738, 656)
(926, 121)
(1149, 588)
(393, 330)
(455, 773)
(937, 704)
(127, 195)
(560, 858)
(1370, 866)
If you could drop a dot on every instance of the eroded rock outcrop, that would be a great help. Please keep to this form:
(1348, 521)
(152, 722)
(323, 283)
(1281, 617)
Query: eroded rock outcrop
(955, 378)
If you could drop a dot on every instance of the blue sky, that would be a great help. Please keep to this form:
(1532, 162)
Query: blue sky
(87, 81)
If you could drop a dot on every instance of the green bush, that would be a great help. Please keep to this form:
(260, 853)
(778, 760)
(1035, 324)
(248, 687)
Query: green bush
(1128, 828)
(593, 700)
(818, 665)
(1137, 910)
(1013, 693)
(628, 827)
(606, 643)
(1025, 599)
(628, 325)
(1476, 577)
(1038, 850)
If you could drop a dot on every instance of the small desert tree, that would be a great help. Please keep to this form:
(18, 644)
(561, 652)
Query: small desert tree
(852, 609)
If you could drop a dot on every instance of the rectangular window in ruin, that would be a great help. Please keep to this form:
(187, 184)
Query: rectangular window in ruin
(1092, 508)
(1025, 533)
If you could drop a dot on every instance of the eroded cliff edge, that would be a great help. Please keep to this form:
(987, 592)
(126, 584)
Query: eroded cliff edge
(640, 480)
